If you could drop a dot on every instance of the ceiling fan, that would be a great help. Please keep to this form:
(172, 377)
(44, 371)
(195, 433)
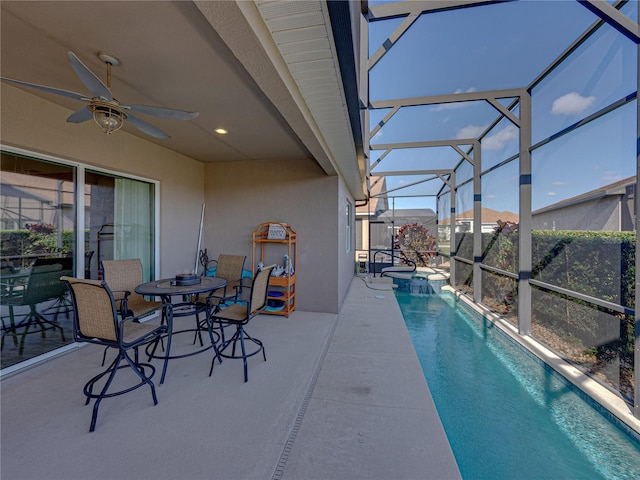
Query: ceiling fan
(108, 112)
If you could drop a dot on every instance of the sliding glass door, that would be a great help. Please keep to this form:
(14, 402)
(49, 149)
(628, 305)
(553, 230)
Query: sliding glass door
(40, 242)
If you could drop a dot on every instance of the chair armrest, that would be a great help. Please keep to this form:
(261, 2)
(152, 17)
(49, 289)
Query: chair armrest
(121, 296)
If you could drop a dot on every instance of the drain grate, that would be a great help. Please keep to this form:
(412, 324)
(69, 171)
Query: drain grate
(284, 456)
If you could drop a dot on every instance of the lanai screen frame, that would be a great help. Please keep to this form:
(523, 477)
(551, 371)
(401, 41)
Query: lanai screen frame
(410, 12)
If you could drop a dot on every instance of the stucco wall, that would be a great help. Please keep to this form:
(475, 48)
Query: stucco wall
(601, 214)
(241, 195)
(346, 263)
(40, 126)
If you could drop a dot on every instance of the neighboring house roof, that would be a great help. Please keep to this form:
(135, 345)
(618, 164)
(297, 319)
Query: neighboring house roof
(615, 188)
(409, 212)
(377, 204)
(43, 189)
(488, 215)
(11, 191)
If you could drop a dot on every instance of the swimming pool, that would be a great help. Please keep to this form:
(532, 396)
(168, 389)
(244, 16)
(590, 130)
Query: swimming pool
(506, 416)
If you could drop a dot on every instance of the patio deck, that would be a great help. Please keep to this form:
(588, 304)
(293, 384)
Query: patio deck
(339, 397)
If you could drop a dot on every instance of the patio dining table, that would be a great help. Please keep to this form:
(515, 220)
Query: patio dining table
(188, 305)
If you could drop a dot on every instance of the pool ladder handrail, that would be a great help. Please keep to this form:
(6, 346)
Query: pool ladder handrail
(393, 255)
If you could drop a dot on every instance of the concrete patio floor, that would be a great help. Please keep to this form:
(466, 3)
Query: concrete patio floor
(339, 397)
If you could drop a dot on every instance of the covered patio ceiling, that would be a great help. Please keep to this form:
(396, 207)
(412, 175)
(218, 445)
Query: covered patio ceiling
(267, 72)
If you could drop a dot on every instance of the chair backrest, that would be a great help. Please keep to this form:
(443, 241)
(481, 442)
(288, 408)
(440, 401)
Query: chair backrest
(44, 283)
(95, 314)
(259, 290)
(123, 275)
(230, 267)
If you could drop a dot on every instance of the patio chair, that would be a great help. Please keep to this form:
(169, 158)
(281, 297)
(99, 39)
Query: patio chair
(229, 267)
(123, 276)
(43, 284)
(96, 321)
(239, 314)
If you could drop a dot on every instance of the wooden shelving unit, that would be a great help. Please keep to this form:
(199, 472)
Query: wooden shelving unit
(271, 241)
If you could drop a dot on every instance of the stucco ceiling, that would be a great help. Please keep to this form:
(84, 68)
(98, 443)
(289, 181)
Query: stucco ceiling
(219, 58)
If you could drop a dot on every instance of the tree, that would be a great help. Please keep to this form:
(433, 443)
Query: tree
(415, 243)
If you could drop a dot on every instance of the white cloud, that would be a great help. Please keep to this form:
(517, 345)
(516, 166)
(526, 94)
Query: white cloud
(611, 177)
(500, 138)
(559, 184)
(454, 105)
(470, 131)
(551, 194)
(571, 104)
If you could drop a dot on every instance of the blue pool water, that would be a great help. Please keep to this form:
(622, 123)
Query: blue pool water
(506, 416)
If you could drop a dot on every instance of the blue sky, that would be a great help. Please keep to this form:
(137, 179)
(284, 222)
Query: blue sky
(507, 46)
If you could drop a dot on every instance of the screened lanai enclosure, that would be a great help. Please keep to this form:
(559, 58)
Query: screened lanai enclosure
(503, 149)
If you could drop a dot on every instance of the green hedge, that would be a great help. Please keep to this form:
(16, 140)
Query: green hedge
(26, 242)
(599, 264)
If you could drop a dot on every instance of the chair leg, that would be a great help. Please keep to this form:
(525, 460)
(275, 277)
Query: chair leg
(12, 322)
(35, 318)
(198, 333)
(96, 405)
(240, 336)
(139, 370)
(215, 347)
(244, 353)
(104, 356)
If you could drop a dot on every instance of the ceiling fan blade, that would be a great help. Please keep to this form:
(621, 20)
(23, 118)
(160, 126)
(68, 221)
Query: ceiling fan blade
(93, 83)
(167, 113)
(80, 116)
(57, 91)
(146, 127)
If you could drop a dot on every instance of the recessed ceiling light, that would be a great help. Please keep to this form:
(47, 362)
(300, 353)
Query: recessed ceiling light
(221, 131)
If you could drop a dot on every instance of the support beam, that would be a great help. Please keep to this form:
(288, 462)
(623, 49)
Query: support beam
(393, 38)
(452, 232)
(435, 143)
(613, 17)
(636, 352)
(405, 173)
(477, 224)
(374, 164)
(448, 98)
(382, 122)
(525, 248)
(504, 111)
(401, 9)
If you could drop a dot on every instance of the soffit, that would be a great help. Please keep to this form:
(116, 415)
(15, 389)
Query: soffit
(303, 36)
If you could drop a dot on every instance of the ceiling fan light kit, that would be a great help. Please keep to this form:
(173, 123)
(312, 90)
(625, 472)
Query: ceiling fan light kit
(108, 118)
(106, 111)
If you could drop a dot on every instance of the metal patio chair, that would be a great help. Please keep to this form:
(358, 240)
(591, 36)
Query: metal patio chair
(43, 285)
(96, 321)
(123, 276)
(239, 314)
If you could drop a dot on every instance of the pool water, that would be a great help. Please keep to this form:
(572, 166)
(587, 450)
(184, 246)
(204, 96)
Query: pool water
(506, 416)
